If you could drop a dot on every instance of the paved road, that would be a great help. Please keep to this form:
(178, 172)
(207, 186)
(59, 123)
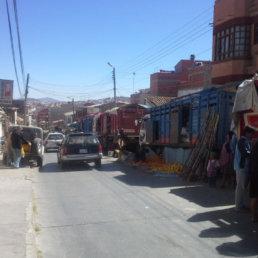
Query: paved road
(118, 211)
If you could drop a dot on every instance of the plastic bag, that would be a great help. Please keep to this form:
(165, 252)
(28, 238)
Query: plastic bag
(22, 152)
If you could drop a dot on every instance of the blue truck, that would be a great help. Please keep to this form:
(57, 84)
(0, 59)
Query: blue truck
(178, 123)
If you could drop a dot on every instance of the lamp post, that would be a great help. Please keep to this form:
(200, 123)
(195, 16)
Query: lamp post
(114, 79)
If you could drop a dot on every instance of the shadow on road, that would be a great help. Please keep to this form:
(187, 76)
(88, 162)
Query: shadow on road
(139, 177)
(228, 223)
(206, 197)
(55, 168)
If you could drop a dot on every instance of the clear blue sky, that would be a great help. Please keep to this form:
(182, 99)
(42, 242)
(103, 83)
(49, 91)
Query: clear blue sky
(66, 44)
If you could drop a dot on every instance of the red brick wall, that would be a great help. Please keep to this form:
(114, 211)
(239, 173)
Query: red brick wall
(164, 84)
(187, 75)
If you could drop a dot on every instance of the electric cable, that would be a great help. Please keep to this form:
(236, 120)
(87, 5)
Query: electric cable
(49, 92)
(155, 59)
(169, 49)
(19, 41)
(174, 33)
(102, 82)
(12, 47)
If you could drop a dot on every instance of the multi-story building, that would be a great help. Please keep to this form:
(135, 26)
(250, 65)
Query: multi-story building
(189, 76)
(235, 40)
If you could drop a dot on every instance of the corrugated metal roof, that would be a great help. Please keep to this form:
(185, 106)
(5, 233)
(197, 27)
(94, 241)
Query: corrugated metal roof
(155, 101)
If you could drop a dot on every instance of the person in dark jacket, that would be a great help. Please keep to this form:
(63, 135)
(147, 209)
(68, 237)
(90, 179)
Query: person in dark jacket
(17, 141)
(254, 182)
(241, 166)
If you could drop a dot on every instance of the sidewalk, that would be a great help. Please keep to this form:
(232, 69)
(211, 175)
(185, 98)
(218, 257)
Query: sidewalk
(16, 212)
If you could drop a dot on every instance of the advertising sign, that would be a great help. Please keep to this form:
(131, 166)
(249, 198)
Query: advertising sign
(43, 115)
(6, 92)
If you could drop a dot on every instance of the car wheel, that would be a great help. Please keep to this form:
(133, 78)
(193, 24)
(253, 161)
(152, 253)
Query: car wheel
(98, 163)
(36, 147)
(39, 162)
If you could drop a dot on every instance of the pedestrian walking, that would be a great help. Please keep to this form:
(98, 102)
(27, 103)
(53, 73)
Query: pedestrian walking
(241, 166)
(254, 182)
(212, 169)
(17, 140)
(226, 161)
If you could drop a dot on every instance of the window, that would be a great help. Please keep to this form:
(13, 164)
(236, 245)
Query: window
(233, 42)
(82, 139)
(55, 137)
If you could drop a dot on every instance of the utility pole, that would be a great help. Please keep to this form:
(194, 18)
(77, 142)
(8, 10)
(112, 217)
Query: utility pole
(114, 79)
(25, 99)
(133, 81)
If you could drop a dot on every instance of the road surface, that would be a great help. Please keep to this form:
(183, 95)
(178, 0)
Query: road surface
(119, 211)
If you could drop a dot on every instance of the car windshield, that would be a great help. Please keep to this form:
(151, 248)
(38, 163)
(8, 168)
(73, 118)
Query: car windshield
(55, 137)
(81, 139)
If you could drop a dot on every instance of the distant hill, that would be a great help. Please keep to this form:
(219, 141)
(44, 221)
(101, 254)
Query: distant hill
(96, 101)
(50, 100)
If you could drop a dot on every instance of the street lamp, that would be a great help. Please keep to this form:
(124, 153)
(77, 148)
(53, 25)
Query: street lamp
(114, 79)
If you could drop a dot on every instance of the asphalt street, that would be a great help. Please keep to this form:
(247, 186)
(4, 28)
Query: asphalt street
(119, 211)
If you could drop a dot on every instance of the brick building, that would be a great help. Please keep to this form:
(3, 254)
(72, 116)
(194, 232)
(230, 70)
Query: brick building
(189, 76)
(139, 98)
(235, 40)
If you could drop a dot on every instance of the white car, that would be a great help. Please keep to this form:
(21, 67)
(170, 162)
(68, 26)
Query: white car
(53, 141)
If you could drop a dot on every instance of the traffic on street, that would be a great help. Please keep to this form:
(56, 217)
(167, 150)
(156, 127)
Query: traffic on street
(128, 129)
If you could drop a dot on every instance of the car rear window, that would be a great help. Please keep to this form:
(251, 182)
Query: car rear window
(81, 139)
(55, 137)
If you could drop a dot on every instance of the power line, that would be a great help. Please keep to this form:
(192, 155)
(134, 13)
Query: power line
(195, 34)
(49, 92)
(12, 47)
(173, 34)
(102, 82)
(162, 55)
(19, 40)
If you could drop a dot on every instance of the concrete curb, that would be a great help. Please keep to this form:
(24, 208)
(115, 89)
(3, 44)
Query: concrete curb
(31, 250)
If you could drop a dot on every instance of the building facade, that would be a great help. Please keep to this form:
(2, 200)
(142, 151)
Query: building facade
(139, 98)
(189, 76)
(235, 40)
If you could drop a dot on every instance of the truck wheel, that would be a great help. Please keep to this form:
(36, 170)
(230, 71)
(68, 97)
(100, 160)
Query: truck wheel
(98, 163)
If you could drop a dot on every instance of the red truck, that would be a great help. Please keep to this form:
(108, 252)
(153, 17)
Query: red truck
(125, 119)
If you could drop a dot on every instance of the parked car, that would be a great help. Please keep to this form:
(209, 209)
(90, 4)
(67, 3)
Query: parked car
(80, 147)
(34, 152)
(53, 141)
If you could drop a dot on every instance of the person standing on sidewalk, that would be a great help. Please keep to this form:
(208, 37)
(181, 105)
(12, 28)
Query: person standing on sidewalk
(17, 140)
(241, 166)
